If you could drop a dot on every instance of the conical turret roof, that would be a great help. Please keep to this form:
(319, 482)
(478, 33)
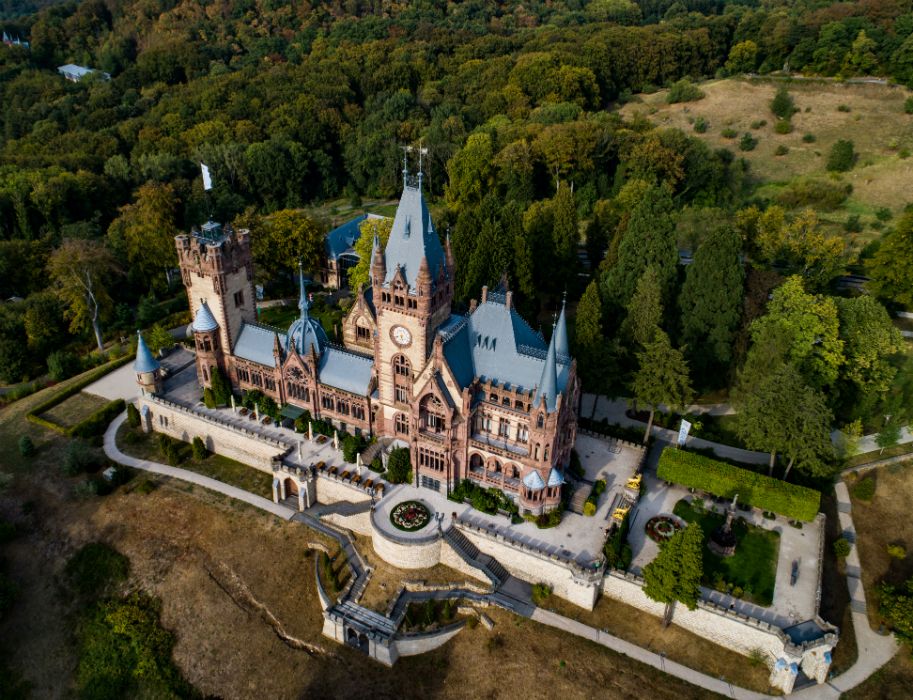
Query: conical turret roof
(562, 346)
(548, 383)
(145, 362)
(204, 321)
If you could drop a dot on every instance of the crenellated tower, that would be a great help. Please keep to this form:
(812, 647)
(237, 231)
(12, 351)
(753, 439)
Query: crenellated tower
(217, 271)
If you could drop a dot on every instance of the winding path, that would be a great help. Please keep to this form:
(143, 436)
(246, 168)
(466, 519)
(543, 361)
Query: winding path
(874, 650)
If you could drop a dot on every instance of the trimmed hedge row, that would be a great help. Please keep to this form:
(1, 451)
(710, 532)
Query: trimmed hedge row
(699, 472)
(84, 427)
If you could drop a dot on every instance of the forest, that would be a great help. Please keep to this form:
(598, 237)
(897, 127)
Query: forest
(531, 169)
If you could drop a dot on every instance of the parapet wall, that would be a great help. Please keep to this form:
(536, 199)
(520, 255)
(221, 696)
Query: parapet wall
(223, 438)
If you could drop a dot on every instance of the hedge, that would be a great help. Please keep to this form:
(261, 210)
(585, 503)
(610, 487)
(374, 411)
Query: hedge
(699, 472)
(61, 396)
(96, 423)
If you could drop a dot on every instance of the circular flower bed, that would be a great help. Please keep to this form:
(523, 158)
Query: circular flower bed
(410, 516)
(661, 528)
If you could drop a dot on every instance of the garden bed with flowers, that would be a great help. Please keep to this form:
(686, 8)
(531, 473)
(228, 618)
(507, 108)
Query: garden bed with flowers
(410, 516)
(660, 528)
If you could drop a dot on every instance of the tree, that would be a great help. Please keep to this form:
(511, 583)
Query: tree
(861, 58)
(565, 231)
(147, 229)
(43, 323)
(785, 415)
(742, 57)
(645, 311)
(810, 326)
(360, 274)
(888, 436)
(14, 353)
(649, 239)
(842, 156)
(662, 377)
(399, 466)
(81, 271)
(782, 104)
(870, 344)
(590, 342)
(159, 339)
(676, 572)
(711, 299)
(890, 267)
(287, 237)
(896, 605)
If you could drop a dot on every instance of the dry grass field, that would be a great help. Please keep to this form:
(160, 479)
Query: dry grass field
(875, 122)
(237, 590)
(74, 409)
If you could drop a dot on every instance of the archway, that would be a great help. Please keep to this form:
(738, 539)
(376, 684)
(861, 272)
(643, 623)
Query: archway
(291, 487)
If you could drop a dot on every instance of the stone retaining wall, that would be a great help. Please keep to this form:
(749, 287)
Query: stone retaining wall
(360, 522)
(223, 438)
(422, 555)
(414, 644)
(331, 490)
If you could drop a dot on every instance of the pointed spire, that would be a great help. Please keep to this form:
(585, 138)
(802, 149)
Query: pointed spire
(562, 346)
(145, 362)
(548, 383)
(302, 297)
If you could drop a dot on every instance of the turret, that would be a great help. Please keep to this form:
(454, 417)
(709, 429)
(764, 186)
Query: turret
(147, 368)
(208, 341)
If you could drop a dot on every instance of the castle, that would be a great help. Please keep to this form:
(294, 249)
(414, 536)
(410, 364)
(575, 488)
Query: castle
(479, 396)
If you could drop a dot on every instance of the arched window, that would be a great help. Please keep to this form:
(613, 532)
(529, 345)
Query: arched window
(540, 421)
(401, 366)
(401, 424)
(536, 452)
(546, 452)
(514, 472)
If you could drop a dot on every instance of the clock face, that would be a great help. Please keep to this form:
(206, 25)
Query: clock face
(401, 335)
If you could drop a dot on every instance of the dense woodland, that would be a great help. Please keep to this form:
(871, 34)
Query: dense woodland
(531, 171)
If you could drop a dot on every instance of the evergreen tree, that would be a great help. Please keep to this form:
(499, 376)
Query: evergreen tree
(711, 300)
(592, 357)
(662, 377)
(648, 240)
(785, 415)
(565, 231)
(676, 572)
(782, 104)
(645, 310)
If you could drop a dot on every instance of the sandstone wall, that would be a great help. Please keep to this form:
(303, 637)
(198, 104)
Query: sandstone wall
(235, 443)
(333, 491)
(413, 645)
(360, 522)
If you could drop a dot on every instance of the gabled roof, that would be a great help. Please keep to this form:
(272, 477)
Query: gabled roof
(342, 238)
(345, 370)
(413, 239)
(204, 321)
(534, 481)
(144, 362)
(255, 343)
(494, 342)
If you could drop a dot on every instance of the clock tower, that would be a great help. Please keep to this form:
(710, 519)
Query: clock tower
(412, 282)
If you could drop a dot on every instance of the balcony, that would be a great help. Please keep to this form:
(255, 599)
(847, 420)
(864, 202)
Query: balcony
(500, 446)
(431, 435)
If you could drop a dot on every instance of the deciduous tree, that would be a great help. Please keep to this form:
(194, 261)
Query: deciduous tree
(360, 274)
(890, 267)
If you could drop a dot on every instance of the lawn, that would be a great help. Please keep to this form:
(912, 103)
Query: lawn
(215, 466)
(753, 567)
(76, 408)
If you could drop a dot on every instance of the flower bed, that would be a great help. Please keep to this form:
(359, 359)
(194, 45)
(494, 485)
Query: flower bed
(410, 516)
(661, 528)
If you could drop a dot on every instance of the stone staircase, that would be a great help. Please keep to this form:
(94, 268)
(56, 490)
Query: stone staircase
(581, 493)
(374, 449)
(469, 553)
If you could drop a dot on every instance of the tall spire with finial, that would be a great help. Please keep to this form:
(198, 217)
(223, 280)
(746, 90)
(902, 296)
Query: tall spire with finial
(406, 150)
(548, 383)
(303, 297)
(562, 345)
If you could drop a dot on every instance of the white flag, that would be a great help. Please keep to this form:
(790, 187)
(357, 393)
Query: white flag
(207, 180)
(683, 431)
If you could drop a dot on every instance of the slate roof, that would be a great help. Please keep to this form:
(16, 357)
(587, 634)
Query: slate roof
(494, 342)
(562, 346)
(255, 343)
(413, 238)
(144, 362)
(548, 382)
(345, 370)
(534, 481)
(555, 478)
(305, 332)
(204, 321)
(342, 238)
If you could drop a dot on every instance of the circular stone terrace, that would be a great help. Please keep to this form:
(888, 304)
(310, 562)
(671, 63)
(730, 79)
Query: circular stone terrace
(395, 507)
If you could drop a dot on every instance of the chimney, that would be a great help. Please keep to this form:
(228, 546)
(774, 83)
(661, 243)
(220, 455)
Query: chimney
(509, 299)
(484, 294)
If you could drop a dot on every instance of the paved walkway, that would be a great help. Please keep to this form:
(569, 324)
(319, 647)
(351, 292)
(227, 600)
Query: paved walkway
(114, 453)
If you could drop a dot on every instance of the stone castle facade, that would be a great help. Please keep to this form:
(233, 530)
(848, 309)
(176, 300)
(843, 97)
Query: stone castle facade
(479, 396)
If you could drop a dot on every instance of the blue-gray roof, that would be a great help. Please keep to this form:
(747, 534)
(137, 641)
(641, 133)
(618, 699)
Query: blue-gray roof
(494, 342)
(562, 345)
(145, 362)
(345, 370)
(342, 238)
(255, 343)
(534, 481)
(555, 478)
(548, 382)
(204, 321)
(305, 332)
(412, 239)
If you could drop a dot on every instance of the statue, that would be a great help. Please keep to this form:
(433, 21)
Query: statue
(723, 541)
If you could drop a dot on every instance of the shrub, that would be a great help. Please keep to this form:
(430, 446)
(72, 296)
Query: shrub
(208, 398)
(842, 156)
(747, 142)
(62, 365)
(864, 489)
(853, 224)
(684, 91)
(145, 487)
(700, 125)
(399, 466)
(98, 421)
(699, 472)
(589, 508)
(617, 551)
(903, 153)
(897, 551)
(199, 449)
(377, 465)
(843, 108)
(781, 150)
(758, 124)
(908, 105)
(541, 592)
(78, 458)
(783, 126)
(599, 487)
(221, 389)
(26, 446)
(809, 138)
(95, 569)
(133, 417)
(351, 446)
(821, 194)
(729, 133)
(842, 548)
(782, 104)
(883, 214)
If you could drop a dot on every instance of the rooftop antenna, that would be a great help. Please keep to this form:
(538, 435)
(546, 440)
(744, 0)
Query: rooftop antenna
(406, 151)
(421, 174)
